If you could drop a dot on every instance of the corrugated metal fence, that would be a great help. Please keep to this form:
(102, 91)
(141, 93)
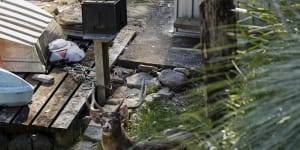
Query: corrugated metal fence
(22, 22)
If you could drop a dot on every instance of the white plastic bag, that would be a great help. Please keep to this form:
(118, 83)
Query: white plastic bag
(67, 51)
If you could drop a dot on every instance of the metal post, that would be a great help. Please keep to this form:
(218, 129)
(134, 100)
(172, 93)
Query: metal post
(102, 71)
(177, 9)
(193, 2)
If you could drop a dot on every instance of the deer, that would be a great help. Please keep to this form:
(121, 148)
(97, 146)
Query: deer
(114, 136)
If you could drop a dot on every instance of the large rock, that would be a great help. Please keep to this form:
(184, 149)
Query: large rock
(171, 78)
(40, 141)
(22, 142)
(136, 80)
(183, 70)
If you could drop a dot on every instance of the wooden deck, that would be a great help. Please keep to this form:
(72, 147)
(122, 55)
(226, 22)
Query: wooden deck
(56, 109)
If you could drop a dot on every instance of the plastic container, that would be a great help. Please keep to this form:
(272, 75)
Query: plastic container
(14, 91)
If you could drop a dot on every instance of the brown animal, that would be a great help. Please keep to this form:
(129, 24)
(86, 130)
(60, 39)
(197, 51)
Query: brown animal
(114, 136)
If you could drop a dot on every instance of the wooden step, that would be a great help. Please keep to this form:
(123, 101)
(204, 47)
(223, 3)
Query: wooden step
(187, 23)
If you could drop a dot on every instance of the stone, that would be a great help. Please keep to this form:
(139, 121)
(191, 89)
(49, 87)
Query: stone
(111, 108)
(123, 72)
(171, 78)
(135, 80)
(154, 82)
(22, 142)
(3, 140)
(40, 141)
(166, 92)
(69, 15)
(147, 68)
(67, 2)
(93, 131)
(129, 92)
(182, 70)
(115, 79)
(47, 79)
(84, 145)
(152, 97)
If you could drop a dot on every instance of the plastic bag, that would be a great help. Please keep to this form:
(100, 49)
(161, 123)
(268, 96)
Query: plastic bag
(66, 51)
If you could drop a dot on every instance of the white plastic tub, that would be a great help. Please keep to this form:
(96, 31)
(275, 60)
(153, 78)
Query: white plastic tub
(14, 91)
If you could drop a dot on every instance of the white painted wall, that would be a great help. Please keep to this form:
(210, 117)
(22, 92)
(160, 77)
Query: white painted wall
(186, 8)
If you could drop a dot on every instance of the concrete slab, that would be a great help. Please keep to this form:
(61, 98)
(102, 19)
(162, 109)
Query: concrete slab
(155, 45)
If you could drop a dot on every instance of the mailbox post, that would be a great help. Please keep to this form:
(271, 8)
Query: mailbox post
(102, 20)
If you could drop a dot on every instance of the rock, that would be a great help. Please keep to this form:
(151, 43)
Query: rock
(147, 68)
(93, 131)
(131, 96)
(109, 107)
(66, 2)
(40, 141)
(84, 145)
(154, 82)
(166, 92)
(3, 141)
(69, 15)
(153, 97)
(182, 70)
(171, 78)
(113, 101)
(47, 79)
(22, 142)
(123, 72)
(129, 92)
(115, 79)
(135, 80)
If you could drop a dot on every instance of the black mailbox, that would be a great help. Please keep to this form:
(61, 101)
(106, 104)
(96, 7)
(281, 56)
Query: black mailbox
(103, 16)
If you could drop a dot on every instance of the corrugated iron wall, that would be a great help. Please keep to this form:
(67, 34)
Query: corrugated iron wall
(22, 22)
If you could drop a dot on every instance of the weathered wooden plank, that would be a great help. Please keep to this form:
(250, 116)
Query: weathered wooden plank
(120, 42)
(72, 109)
(61, 97)
(77, 102)
(56, 103)
(40, 98)
(7, 114)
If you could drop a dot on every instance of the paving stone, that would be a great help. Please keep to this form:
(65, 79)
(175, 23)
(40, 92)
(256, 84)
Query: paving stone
(93, 131)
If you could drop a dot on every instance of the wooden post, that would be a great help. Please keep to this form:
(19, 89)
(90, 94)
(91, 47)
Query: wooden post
(102, 70)
(214, 15)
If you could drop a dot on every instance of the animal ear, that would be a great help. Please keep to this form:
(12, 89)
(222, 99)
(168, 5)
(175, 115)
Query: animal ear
(123, 112)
